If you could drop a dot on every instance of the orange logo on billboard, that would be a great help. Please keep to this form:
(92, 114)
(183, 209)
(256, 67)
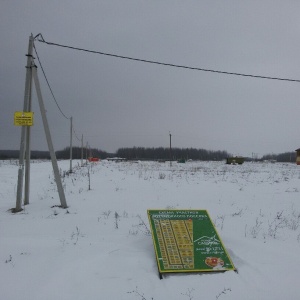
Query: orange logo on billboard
(214, 262)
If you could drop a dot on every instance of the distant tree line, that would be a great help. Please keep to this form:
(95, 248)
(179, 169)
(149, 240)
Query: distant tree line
(76, 153)
(61, 154)
(146, 153)
(282, 157)
(175, 154)
(14, 154)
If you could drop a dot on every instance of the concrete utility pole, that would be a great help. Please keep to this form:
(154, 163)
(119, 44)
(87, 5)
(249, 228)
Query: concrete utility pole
(170, 148)
(82, 150)
(49, 141)
(31, 73)
(71, 130)
(28, 149)
(24, 131)
(86, 152)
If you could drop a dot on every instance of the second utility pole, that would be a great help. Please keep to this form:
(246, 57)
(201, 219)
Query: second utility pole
(170, 148)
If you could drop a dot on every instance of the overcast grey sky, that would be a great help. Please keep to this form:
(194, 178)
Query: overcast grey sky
(120, 103)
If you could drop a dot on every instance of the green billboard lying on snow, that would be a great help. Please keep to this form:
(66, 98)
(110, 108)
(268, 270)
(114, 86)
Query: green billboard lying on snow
(187, 241)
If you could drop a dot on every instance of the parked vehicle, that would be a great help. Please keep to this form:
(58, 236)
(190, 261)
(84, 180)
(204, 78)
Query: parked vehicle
(235, 160)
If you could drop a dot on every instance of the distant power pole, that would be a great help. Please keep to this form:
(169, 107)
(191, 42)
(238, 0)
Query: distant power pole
(170, 148)
(71, 146)
(86, 153)
(82, 150)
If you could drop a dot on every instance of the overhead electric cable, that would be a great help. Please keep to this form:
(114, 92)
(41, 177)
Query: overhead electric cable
(40, 38)
(48, 83)
(76, 135)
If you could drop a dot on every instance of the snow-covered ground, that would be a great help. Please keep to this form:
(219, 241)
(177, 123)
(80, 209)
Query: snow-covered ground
(100, 247)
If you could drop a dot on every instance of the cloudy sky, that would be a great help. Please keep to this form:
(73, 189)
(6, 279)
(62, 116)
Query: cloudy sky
(121, 103)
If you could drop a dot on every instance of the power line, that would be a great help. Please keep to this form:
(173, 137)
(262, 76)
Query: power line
(76, 135)
(40, 38)
(48, 83)
(52, 92)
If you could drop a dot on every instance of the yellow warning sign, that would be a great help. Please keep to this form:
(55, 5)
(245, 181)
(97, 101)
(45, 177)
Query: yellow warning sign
(22, 118)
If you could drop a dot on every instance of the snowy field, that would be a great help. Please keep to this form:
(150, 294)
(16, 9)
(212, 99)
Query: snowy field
(100, 247)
